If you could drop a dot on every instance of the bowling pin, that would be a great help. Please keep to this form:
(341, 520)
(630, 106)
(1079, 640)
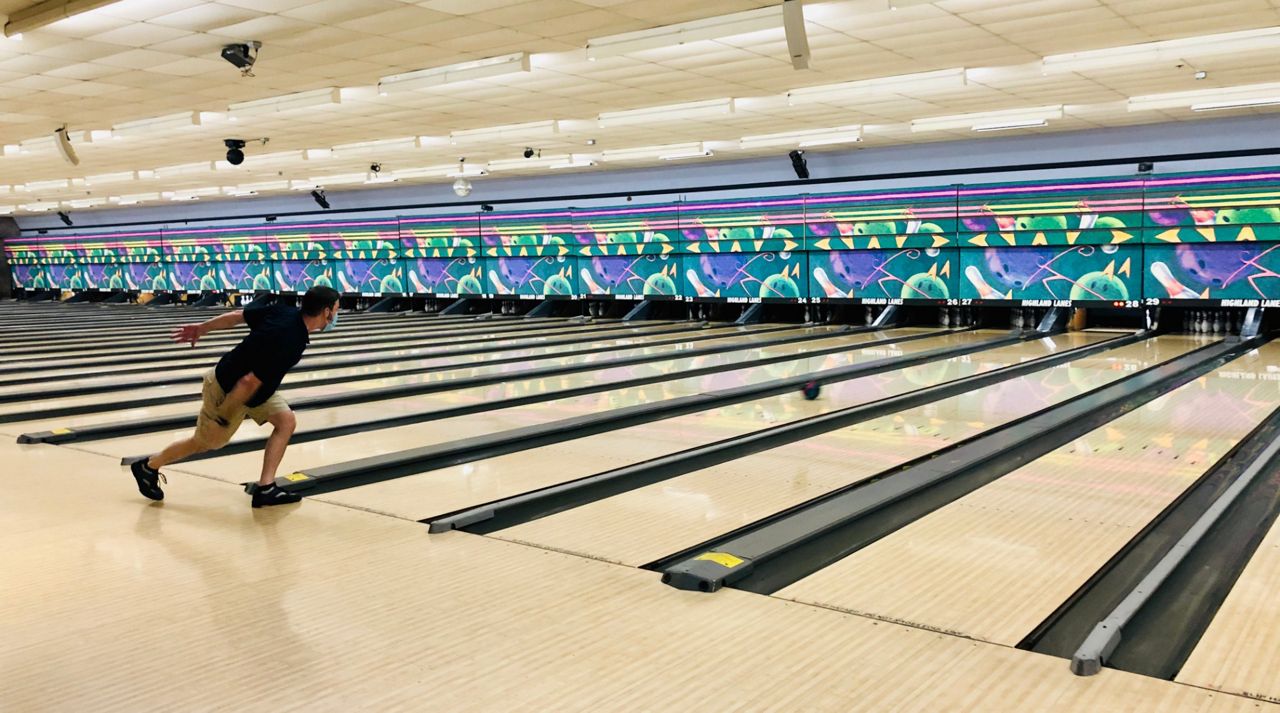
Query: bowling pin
(944, 317)
(1217, 322)
(1015, 318)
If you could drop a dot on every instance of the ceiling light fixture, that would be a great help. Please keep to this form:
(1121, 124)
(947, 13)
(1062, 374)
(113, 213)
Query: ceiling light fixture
(711, 28)
(1242, 96)
(995, 118)
(899, 84)
(1266, 38)
(288, 102)
(148, 127)
(668, 113)
(531, 129)
(701, 151)
(803, 138)
(451, 73)
(648, 153)
(1009, 126)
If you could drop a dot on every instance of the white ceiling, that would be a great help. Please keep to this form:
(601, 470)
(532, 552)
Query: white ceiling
(140, 59)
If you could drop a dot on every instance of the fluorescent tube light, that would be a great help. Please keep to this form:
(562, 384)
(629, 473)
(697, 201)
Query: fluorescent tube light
(102, 179)
(880, 86)
(1003, 117)
(288, 102)
(668, 112)
(1209, 99)
(646, 153)
(532, 129)
(803, 138)
(700, 151)
(460, 72)
(1236, 104)
(711, 28)
(147, 127)
(1009, 126)
(184, 169)
(1150, 52)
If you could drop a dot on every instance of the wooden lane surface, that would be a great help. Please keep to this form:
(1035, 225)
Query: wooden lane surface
(371, 442)
(113, 605)
(450, 367)
(438, 432)
(642, 525)
(997, 562)
(299, 391)
(1240, 651)
(336, 344)
(447, 489)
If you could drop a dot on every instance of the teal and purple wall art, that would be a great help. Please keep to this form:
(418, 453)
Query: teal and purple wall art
(1092, 273)
(648, 276)
(1203, 271)
(540, 276)
(745, 276)
(446, 277)
(900, 274)
(383, 276)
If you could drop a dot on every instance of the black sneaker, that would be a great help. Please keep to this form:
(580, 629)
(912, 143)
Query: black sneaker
(148, 480)
(273, 495)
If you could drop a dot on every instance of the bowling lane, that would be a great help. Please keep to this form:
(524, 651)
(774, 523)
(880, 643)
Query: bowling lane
(746, 339)
(322, 345)
(149, 342)
(997, 562)
(446, 489)
(1240, 651)
(313, 369)
(642, 525)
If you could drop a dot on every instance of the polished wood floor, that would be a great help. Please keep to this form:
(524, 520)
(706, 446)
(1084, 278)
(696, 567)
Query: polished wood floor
(109, 603)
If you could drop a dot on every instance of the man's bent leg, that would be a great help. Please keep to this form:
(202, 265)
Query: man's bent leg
(175, 452)
(283, 424)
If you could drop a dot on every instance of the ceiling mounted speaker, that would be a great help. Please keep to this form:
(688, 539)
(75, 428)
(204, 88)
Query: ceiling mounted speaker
(63, 143)
(797, 37)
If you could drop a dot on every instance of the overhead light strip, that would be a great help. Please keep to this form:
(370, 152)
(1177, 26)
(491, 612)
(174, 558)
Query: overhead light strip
(668, 112)
(1002, 117)
(1201, 46)
(463, 71)
(330, 96)
(711, 28)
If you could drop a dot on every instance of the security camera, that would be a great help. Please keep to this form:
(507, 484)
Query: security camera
(375, 167)
(462, 187)
(235, 151)
(528, 152)
(243, 56)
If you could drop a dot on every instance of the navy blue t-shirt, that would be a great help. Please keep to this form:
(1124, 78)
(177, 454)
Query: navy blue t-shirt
(277, 338)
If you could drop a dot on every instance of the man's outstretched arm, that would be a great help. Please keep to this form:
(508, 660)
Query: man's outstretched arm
(192, 332)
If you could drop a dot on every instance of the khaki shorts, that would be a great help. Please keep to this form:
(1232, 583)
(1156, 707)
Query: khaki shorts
(209, 433)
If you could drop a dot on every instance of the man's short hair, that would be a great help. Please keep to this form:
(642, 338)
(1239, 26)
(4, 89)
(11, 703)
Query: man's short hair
(318, 299)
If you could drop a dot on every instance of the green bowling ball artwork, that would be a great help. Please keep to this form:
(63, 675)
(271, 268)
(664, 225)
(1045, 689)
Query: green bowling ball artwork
(660, 284)
(1040, 223)
(1099, 285)
(929, 229)
(1264, 221)
(469, 285)
(557, 285)
(113, 277)
(779, 286)
(1109, 222)
(876, 227)
(925, 286)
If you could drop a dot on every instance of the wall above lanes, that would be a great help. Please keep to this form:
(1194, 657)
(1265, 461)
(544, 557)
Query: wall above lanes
(1198, 237)
(1041, 150)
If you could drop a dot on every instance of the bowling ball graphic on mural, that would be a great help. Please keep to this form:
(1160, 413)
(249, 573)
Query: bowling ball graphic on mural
(853, 267)
(660, 284)
(929, 228)
(1109, 222)
(722, 270)
(1210, 265)
(1099, 285)
(1016, 268)
(557, 285)
(1040, 222)
(621, 238)
(875, 228)
(1264, 221)
(779, 286)
(469, 285)
(924, 286)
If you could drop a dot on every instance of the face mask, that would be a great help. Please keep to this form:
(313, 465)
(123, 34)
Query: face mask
(332, 323)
